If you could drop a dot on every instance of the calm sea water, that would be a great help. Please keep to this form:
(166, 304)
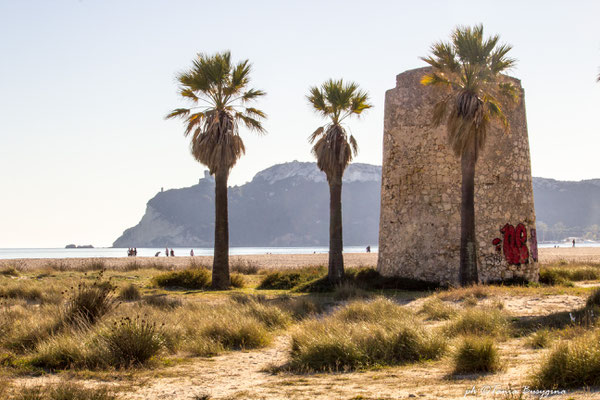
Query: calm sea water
(185, 251)
(179, 251)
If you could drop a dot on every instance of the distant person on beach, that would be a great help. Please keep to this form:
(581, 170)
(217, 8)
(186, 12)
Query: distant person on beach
(135, 251)
(157, 253)
(573, 242)
(167, 252)
(368, 249)
(172, 253)
(192, 253)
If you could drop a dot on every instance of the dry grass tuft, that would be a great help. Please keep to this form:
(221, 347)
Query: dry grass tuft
(130, 293)
(476, 354)
(197, 278)
(363, 334)
(480, 321)
(571, 364)
(436, 309)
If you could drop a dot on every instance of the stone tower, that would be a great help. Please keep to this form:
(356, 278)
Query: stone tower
(419, 232)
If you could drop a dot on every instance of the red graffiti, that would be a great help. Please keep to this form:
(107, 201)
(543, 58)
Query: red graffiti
(514, 244)
(533, 245)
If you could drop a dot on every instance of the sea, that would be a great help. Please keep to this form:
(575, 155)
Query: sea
(106, 252)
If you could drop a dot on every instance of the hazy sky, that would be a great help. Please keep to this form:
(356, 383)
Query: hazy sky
(84, 87)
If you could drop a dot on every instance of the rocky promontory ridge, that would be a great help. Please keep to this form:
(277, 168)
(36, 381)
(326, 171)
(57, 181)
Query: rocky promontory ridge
(284, 205)
(288, 205)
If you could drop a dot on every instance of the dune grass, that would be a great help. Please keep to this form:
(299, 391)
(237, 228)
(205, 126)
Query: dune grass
(130, 293)
(437, 310)
(196, 278)
(289, 279)
(63, 391)
(571, 364)
(361, 335)
(476, 354)
(480, 321)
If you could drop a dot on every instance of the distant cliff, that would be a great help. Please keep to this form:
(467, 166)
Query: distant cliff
(566, 208)
(284, 205)
(288, 205)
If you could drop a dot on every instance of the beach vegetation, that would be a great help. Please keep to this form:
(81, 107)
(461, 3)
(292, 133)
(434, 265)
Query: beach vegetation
(436, 309)
(162, 301)
(63, 390)
(479, 321)
(197, 278)
(362, 335)
(571, 364)
(476, 354)
(130, 293)
(290, 278)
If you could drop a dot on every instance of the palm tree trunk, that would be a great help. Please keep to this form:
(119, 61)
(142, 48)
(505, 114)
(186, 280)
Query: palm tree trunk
(468, 249)
(336, 259)
(220, 272)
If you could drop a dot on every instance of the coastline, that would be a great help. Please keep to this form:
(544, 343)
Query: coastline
(269, 261)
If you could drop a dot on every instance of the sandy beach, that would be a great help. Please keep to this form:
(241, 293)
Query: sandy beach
(271, 261)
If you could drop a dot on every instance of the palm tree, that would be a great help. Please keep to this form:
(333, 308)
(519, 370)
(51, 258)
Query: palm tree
(468, 72)
(334, 150)
(220, 94)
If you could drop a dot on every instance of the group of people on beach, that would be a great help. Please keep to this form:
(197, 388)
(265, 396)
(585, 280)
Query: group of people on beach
(132, 252)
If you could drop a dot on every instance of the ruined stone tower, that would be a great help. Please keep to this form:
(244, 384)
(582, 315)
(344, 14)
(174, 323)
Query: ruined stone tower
(419, 232)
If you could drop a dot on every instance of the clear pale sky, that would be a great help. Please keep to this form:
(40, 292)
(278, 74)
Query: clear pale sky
(84, 87)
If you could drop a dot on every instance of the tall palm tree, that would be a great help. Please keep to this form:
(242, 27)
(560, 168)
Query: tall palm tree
(219, 92)
(334, 150)
(467, 71)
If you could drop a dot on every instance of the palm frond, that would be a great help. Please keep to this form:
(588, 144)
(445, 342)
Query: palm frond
(468, 69)
(316, 134)
(221, 87)
(178, 112)
(336, 100)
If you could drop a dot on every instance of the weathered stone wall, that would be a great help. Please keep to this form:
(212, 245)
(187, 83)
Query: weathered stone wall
(419, 233)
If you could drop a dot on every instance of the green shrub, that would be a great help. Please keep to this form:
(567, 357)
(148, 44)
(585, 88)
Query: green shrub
(130, 293)
(366, 278)
(132, 342)
(571, 364)
(198, 278)
(361, 335)
(479, 321)
(89, 302)
(435, 309)
(555, 277)
(238, 280)
(291, 278)
(476, 354)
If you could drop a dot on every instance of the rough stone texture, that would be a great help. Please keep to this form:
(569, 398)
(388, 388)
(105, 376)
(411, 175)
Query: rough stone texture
(419, 232)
